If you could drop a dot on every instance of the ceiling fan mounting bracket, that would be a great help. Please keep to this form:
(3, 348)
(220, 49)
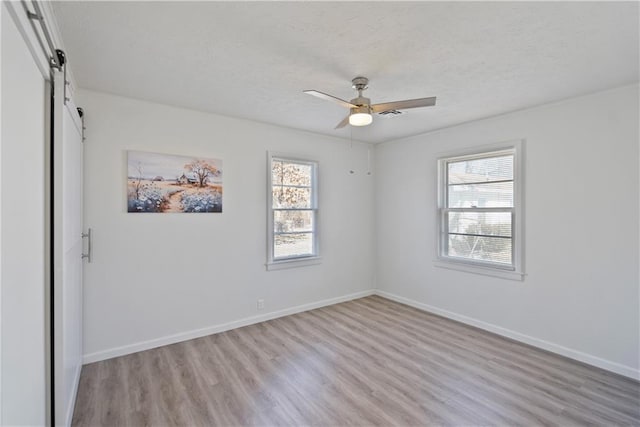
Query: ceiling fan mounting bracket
(360, 83)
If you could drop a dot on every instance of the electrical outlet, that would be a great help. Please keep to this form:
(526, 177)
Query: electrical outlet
(260, 304)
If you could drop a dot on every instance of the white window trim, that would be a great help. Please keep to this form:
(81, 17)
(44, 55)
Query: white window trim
(517, 272)
(301, 261)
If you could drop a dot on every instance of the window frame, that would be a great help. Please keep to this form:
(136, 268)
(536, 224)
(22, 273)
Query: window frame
(515, 271)
(301, 260)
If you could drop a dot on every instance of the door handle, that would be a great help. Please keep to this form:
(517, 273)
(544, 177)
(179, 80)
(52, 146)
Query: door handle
(87, 235)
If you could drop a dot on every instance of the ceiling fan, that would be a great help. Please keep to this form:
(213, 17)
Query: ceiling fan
(361, 108)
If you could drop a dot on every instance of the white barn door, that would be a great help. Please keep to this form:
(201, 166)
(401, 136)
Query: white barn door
(67, 252)
(23, 255)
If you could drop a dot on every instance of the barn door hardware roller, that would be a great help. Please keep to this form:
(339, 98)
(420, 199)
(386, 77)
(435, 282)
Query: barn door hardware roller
(53, 54)
(81, 114)
(62, 60)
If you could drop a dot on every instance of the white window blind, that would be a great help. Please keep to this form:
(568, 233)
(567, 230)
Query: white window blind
(478, 211)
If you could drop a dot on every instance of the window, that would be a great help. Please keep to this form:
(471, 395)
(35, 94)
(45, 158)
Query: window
(293, 207)
(480, 215)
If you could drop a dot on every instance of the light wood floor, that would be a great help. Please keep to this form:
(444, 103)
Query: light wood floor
(364, 362)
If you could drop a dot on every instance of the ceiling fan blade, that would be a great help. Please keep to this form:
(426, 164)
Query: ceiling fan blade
(343, 123)
(403, 105)
(327, 97)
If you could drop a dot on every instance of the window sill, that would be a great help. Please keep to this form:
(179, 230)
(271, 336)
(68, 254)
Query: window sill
(293, 263)
(476, 269)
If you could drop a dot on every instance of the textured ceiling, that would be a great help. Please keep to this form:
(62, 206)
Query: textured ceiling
(253, 59)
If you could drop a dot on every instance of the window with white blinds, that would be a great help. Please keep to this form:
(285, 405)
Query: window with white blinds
(479, 209)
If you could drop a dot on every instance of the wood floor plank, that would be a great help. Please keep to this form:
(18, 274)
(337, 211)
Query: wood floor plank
(483, 381)
(364, 362)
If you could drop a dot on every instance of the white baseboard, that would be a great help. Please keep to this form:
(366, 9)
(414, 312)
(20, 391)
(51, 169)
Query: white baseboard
(184, 336)
(626, 371)
(608, 365)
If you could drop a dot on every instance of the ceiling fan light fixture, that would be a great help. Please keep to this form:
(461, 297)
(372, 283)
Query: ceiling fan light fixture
(360, 116)
(360, 119)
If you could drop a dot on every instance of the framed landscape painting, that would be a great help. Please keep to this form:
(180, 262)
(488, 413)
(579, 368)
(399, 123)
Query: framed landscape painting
(164, 183)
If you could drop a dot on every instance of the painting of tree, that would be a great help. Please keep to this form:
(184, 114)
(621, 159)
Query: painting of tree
(202, 169)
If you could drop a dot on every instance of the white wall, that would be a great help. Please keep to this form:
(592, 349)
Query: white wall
(22, 222)
(580, 296)
(158, 278)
